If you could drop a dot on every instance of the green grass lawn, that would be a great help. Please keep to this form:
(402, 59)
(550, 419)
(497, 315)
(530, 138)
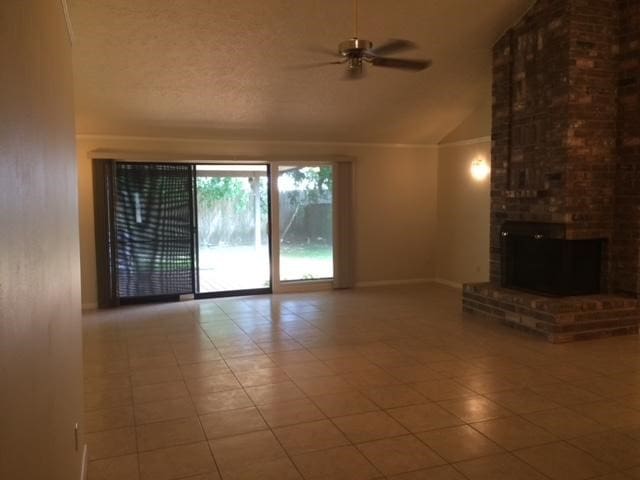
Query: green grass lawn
(302, 261)
(307, 251)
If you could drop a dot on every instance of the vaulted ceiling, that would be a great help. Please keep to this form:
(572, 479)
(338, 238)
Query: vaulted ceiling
(223, 68)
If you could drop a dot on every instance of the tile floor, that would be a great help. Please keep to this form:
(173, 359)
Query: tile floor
(362, 384)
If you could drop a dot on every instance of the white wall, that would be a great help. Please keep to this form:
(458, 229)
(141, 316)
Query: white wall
(395, 191)
(40, 333)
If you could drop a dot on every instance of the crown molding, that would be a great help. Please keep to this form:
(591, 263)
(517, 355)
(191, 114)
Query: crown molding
(115, 138)
(471, 141)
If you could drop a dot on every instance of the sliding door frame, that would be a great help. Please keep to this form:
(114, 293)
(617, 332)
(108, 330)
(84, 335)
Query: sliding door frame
(194, 232)
(107, 170)
(272, 164)
(292, 286)
(233, 293)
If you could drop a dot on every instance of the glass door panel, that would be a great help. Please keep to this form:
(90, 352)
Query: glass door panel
(153, 223)
(306, 222)
(233, 228)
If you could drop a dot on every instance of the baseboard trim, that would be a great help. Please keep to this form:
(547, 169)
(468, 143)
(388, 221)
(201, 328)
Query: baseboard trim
(83, 470)
(411, 281)
(448, 283)
(303, 286)
(382, 283)
(319, 286)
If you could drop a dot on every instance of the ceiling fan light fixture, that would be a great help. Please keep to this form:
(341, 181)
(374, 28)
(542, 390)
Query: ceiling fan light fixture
(354, 63)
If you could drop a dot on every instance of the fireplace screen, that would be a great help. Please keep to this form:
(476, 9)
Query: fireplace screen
(536, 257)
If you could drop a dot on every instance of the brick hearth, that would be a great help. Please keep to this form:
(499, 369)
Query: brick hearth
(566, 151)
(560, 320)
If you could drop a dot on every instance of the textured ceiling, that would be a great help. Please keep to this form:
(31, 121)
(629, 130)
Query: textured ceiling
(222, 69)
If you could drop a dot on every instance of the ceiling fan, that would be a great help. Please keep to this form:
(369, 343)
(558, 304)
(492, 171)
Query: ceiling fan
(355, 52)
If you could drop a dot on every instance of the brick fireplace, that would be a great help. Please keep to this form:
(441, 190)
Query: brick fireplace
(565, 181)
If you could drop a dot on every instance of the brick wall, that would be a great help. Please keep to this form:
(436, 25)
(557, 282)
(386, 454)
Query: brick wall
(591, 136)
(530, 121)
(564, 107)
(626, 241)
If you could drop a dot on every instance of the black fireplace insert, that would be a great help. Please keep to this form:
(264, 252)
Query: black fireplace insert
(537, 257)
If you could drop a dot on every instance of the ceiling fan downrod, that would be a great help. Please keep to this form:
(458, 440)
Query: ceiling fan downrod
(355, 18)
(354, 48)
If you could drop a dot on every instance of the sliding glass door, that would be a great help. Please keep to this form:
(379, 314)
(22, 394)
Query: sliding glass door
(144, 231)
(232, 204)
(167, 230)
(305, 194)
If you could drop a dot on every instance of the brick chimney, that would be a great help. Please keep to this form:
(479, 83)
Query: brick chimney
(565, 180)
(565, 129)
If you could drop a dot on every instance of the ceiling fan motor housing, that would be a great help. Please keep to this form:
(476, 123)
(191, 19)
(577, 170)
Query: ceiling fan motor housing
(354, 47)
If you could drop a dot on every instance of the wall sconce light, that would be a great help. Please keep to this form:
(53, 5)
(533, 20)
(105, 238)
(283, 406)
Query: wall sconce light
(480, 169)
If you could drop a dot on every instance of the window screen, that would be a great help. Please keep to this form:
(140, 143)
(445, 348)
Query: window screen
(154, 225)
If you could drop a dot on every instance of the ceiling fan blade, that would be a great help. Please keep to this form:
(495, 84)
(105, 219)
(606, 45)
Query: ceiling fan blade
(323, 51)
(405, 64)
(306, 66)
(394, 45)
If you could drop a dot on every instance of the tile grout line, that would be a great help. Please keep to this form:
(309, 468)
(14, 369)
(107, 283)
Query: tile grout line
(306, 348)
(135, 420)
(306, 397)
(273, 434)
(198, 416)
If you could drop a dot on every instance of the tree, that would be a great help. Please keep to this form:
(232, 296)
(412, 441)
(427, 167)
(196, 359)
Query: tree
(313, 186)
(215, 189)
(226, 210)
(315, 183)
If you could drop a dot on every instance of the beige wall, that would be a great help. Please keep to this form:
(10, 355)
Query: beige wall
(40, 338)
(463, 214)
(477, 124)
(395, 207)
